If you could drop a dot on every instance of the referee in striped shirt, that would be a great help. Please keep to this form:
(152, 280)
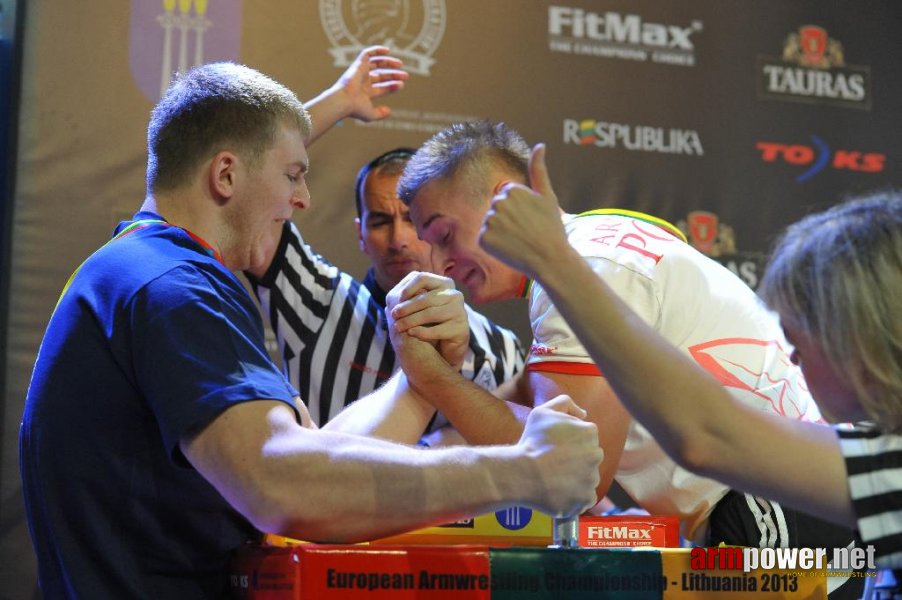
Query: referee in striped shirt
(331, 329)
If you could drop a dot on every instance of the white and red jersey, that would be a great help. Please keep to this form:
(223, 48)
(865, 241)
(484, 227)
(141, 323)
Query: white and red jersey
(701, 308)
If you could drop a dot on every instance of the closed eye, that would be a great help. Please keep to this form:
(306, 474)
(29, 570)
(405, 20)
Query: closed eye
(437, 236)
(377, 222)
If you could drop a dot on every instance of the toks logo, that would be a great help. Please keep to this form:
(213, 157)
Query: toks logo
(819, 156)
(813, 69)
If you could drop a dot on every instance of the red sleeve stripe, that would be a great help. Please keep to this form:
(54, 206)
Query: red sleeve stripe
(565, 368)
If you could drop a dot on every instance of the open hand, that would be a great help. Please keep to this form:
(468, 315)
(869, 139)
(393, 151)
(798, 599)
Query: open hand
(373, 74)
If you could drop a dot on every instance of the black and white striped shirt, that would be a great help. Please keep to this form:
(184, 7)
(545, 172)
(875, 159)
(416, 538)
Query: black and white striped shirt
(332, 333)
(874, 465)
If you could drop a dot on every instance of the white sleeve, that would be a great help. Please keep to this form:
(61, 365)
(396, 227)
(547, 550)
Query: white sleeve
(554, 341)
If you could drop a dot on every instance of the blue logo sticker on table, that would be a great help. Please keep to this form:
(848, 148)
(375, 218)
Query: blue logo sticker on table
(515, 517)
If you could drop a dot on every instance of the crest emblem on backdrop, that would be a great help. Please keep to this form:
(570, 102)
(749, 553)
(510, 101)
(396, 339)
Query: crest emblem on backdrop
(812, 47)
(413, 29)
(702, 230)
(708, 234)
(171, 36)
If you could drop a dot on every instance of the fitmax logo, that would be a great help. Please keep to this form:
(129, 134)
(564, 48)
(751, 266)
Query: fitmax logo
(818, 156)
(620, 36)
(614, 27)
(618, 533)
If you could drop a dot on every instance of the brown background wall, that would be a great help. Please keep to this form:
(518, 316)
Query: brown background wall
(92, 71)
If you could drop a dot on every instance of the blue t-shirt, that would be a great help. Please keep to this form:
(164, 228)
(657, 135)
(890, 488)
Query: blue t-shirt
(152, 340)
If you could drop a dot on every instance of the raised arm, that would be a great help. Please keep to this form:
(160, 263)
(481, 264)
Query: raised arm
(372, 75)
(692, 417)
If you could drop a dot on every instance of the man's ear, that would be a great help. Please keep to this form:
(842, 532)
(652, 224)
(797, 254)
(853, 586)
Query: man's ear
(359, 235)
(222, 175)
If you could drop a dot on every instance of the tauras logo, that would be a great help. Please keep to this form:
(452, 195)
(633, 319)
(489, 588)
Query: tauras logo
(618, 533)
(779, 79)
(642, 138)
(615, 35)
(813, 69)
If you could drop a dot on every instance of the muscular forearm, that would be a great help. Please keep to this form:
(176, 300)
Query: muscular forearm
(690, 415)
(332, 486)
(369, 490)
(663, 388)
(393, 412)
(476, 414)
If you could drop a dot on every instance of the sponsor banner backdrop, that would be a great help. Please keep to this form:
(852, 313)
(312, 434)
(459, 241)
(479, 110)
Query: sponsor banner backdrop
(729, 118)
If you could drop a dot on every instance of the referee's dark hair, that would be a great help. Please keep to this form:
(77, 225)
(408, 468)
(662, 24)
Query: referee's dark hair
(393, 160)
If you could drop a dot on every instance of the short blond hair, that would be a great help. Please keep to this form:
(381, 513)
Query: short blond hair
(215, 107)
(465, 149)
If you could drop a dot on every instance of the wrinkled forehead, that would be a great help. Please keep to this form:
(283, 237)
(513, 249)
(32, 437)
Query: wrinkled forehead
(380, 193)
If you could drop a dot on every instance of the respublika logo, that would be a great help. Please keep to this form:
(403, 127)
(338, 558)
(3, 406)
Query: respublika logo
(413, 30)
(637, 138)
(818, 156)
(621, 36)
(813, 69)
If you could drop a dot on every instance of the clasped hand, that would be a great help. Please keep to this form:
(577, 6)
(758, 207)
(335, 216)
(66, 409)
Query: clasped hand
(427, 323)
